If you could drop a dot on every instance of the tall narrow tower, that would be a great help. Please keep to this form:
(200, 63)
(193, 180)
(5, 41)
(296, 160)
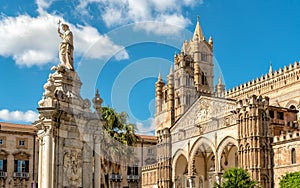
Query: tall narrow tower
(254, 139)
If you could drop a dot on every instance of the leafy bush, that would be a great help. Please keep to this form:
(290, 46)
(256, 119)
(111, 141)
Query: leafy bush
(237, 178)
(290, 180)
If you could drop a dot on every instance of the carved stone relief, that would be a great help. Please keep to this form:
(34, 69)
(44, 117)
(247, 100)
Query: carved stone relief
(73, 168)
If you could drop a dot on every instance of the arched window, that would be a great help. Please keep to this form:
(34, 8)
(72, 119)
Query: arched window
(292, 107)
(293, 154)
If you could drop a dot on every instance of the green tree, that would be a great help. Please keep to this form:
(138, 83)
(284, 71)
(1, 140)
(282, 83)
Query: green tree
(236, 178)
(290, 180)
(118, 135)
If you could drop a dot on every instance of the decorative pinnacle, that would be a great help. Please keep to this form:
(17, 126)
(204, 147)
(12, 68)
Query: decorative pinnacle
(198, 18)
(210, 40)
(171, 70)
(97, 100)
(271, 68)
(220, 81)
(159, 77)
(97, 93)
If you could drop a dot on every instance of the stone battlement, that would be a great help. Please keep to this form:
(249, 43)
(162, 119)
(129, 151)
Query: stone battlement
(149, 167)
(286, 137)
(268, 82)
(253, 100)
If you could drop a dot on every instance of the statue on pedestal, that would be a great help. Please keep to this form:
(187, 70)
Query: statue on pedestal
(66, 47)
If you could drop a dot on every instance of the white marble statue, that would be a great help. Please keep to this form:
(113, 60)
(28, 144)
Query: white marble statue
(66, 47)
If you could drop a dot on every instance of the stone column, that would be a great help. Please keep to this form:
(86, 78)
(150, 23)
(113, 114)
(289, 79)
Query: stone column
(47, 160)
(97, 163)
(53, 163)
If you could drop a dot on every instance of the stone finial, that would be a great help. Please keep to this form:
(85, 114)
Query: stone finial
(159, 84)
(220, 81)
(271, 69)
(97, 101)
(210, 41)
(171, 77)
(159, 77)
(171, 70)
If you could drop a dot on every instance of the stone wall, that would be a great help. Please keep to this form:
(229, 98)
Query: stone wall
(149, 176)
(285, 146)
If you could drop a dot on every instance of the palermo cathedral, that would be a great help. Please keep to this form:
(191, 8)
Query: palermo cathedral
(202, 129)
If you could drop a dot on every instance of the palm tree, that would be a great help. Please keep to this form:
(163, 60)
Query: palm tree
(117, 136)
(237, 178)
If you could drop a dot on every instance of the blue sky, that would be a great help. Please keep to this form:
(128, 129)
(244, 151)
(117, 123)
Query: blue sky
(122, 45)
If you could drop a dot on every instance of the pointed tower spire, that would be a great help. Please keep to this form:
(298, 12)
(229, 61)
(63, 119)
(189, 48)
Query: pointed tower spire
(270, 69)
(198, 31)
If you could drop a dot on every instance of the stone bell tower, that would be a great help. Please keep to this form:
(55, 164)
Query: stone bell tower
(191, 77)
(68, 131)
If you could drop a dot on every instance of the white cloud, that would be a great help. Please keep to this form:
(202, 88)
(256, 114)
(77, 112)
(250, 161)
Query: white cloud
(147, 127)
(91, 44)
(119, 12)
(34, 40)
(13, 116)
(42, 5)
(175, 19)
(122, 55)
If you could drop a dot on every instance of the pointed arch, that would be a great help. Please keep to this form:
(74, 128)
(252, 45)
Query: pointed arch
(177, 154)
(291, 103)
(201, 140)
(221, 147)
(179, 167)
(227, 140)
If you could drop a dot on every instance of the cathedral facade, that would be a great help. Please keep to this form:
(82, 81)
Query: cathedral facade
(203, 130)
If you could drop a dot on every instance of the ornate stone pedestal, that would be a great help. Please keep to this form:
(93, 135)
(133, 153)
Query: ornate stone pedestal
(68, 133)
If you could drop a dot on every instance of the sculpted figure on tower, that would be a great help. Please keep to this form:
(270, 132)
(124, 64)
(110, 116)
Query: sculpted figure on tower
(66, 47)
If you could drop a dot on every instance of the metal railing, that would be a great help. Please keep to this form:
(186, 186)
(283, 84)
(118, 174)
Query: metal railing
(3, 174)
(115, 177)
(133, 177)
(21, 174)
